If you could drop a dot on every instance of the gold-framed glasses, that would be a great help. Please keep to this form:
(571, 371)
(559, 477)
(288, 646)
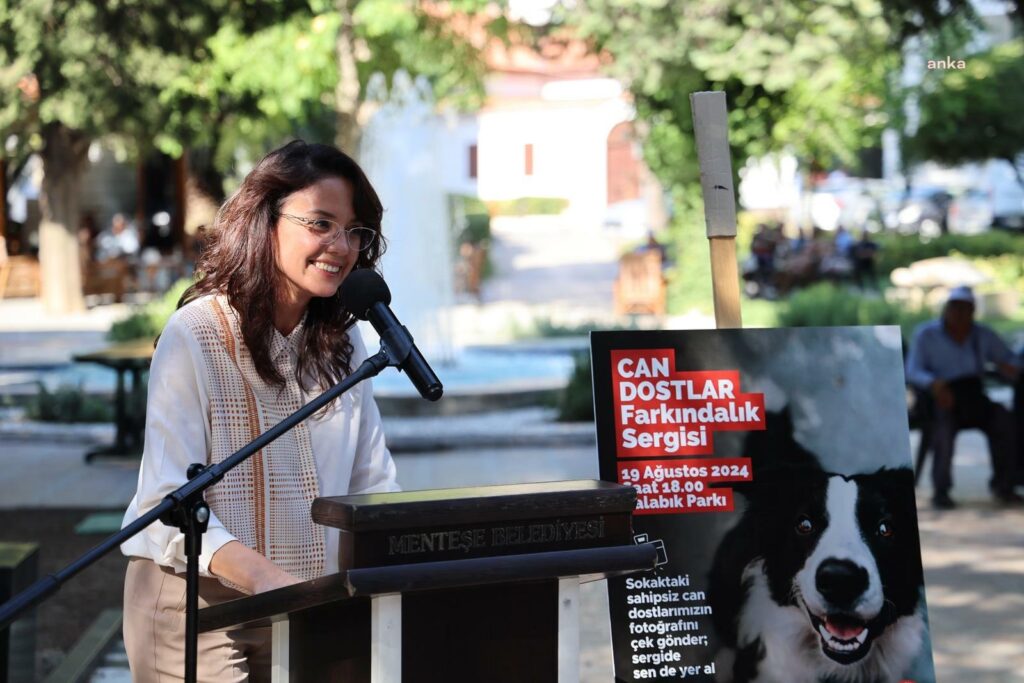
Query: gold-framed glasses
(357, 236)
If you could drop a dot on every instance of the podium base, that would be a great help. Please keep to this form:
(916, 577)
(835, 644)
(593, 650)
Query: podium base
(495, 633)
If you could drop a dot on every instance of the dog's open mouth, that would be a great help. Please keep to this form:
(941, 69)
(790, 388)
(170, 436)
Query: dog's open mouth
(844, 638)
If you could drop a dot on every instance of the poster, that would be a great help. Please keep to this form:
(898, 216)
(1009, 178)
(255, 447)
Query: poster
(773, 472)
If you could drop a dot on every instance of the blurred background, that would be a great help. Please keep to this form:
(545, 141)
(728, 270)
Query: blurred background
(537, 165)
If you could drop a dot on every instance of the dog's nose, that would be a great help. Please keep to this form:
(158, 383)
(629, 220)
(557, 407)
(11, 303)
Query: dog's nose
(841, 582)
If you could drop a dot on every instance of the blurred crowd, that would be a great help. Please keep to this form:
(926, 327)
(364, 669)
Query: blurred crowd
(778, 264)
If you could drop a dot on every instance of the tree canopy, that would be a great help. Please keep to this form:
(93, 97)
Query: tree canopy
(213, 74)
(809, 77)
(974, 113)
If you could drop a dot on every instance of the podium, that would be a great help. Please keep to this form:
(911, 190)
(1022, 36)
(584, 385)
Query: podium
(467, 584)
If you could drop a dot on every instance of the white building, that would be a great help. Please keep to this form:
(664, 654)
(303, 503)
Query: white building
(552, 126)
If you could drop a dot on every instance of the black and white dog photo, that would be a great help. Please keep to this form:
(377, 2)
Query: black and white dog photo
(820, 581)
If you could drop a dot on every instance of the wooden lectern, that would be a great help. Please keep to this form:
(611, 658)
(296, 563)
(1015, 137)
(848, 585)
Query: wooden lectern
(469, 584)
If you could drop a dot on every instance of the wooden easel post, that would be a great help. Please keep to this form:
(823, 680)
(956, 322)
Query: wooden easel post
(711, 128)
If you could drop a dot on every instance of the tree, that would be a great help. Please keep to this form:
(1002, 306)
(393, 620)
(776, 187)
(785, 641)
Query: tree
(73, 71)
(974, 113)
(808, 77)
(308, 75)
(212, 76)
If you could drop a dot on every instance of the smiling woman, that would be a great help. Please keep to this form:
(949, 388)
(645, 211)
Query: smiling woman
(260, 333)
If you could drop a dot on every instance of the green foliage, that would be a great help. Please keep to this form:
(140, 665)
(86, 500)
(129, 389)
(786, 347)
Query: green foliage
(689, 281)
(825, 305)
(528, 206)
(148, 321)
(576, 404)
(899, 251)
(547, 328)
(477, 230)
(471, 221)
(807, 77)
(69, 403)
(1006, 272)
(99, 67)
(974, 114)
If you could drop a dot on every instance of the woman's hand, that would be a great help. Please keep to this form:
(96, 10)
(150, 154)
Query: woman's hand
(275, 580)
(243, 566)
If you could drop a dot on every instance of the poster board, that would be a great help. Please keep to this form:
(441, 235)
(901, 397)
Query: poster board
(773, 470)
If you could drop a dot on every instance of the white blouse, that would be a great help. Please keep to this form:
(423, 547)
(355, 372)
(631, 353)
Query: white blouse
(348, 445)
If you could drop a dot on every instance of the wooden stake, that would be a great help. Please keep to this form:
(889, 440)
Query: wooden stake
(3, 199)
(711, 129)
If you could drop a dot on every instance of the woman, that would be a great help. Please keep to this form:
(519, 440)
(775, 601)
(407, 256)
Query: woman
(259, 334)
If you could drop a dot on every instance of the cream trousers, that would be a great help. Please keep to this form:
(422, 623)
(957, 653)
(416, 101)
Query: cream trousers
(154, 631)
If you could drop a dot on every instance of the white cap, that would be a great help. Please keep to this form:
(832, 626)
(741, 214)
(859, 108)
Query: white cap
(961, 293)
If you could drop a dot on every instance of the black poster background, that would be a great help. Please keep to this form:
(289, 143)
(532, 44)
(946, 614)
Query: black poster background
(845, 390)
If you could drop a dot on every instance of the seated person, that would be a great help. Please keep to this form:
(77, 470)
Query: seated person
(120, 240)
(947, 361)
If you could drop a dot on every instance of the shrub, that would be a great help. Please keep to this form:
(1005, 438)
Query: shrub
(576, 403)
(825, 304)
(528, 206)
(546, 327)
(899, 251)
(69, 403)
(476, 230)
(148, 321)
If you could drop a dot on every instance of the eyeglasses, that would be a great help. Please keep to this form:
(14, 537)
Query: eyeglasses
(357, 236)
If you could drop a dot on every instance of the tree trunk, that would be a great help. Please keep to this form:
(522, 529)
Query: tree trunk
(347, 91)
(3, 199)
(64, 156)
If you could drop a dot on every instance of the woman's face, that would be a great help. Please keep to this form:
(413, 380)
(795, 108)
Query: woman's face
(309, 268)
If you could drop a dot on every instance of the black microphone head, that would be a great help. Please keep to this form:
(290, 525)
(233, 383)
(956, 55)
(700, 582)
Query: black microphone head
(362, 289)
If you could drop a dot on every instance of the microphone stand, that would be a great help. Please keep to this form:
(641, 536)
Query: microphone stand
(186, 509)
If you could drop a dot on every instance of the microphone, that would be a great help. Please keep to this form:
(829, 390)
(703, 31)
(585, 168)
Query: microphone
(367, 297)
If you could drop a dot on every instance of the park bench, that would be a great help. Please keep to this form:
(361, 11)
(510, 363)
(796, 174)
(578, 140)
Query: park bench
(641, 287)
(19, 277)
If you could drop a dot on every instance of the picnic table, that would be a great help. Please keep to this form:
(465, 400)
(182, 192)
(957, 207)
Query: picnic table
(132, 358)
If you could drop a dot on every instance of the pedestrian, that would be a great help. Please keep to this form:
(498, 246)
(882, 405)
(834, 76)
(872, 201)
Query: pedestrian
(947, 363)
(864, 252)
(262, 332)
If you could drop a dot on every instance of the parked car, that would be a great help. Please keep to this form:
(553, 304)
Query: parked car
(971, 213)
(1004, 193)
(843, 202)
(924, 210)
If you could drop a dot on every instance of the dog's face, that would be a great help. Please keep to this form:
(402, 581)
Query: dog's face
(844, 550)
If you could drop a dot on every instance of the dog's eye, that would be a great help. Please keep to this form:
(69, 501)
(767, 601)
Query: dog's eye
(804, 525)
(885, 529)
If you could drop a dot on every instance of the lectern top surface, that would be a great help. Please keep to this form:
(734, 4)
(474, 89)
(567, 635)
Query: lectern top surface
(479, 492)
(390, 510)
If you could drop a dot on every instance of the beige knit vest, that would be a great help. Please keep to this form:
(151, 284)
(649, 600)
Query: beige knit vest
(264, 502)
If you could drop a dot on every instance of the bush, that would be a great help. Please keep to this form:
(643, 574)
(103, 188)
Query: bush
(546, 327)
(148, 321)
(825, 305)
(476, 230)
(69, 403)
(899, 251)
(576, 403)
(528, 206)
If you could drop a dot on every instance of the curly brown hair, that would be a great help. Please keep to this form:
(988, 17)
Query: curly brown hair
(238, 259)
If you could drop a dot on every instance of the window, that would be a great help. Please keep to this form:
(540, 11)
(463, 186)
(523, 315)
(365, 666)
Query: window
(472, 161)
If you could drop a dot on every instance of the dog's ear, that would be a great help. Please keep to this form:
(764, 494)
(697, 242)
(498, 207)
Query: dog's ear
(779, 461)
(896, 486)
(774, 452)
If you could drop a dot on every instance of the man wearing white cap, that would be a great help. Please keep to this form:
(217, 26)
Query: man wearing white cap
(947, 360)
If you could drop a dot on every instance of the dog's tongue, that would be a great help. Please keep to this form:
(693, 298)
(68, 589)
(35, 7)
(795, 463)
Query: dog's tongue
(843, 628)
